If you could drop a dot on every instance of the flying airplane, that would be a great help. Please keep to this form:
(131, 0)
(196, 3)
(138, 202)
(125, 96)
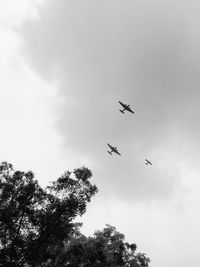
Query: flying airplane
(148, 162)
(125, 107)
(113, 149)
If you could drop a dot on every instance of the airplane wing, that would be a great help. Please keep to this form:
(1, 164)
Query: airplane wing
(110, 146)
(117, 152)
(129, 109)
(123, 105)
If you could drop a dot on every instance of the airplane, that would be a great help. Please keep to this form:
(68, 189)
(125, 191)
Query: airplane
(148, 162)
(113, 149)
(125, 107)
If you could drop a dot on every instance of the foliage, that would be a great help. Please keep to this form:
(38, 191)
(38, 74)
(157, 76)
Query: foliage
(106, 248)
(38, 229)
(35, 221)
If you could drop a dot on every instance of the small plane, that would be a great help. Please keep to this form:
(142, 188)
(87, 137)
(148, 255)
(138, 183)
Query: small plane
(148, 162)
(113, 149)
(125, 107)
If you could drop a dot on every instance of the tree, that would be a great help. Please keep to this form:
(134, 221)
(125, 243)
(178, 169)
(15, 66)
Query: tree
(34, 222)
(106, 248)
(37, 225)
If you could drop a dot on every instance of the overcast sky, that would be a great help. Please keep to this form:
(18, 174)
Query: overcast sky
(64, 66)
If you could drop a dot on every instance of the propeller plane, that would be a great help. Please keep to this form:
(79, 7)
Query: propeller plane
(148, 162)
(125, 108)
(113, 149)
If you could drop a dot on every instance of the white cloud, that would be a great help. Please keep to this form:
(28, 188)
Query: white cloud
(13, 13)
(27, 103)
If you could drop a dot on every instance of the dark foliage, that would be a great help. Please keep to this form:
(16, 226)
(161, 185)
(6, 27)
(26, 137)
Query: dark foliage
(34, 222)
(106, 248)
(37, 227)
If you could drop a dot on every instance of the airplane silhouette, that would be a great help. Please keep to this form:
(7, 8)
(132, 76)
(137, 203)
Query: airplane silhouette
(125, 107)
(113, 149)
(148, 162)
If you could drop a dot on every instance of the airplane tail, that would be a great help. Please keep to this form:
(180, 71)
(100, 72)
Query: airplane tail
(122, 111)
(109, 152)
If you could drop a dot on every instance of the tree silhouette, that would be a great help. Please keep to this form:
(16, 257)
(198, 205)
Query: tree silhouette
(106, 248)
(35, 220)
(37, 227)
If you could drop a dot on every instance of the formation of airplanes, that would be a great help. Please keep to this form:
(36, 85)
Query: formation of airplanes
(114, 149)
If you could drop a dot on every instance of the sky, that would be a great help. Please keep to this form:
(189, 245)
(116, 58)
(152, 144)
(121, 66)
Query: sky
(64, 66)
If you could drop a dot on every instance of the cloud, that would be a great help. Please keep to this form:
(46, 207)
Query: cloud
(27, 137)
(142, 53)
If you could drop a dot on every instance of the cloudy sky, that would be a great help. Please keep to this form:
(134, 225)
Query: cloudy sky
(64, 66)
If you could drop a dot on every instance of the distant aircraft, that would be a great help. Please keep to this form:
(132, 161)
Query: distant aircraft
(113, 149)
(125, 107)
(148, 162)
